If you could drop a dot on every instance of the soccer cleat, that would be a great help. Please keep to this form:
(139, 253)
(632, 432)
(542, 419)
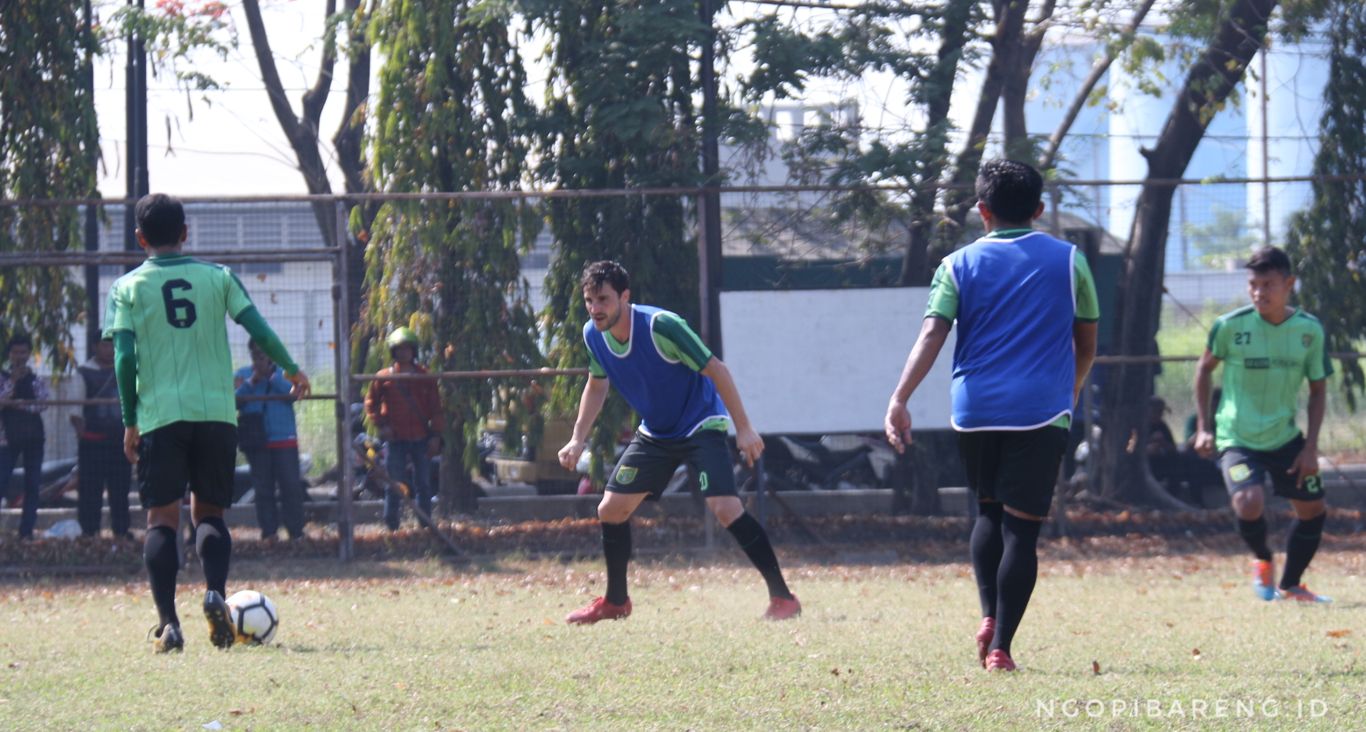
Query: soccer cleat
(1263, 583)
(221, 632)
(984, 636)
(782, 608)
(999, 660)
(599, 609)
(167, 638)
(1302, 594)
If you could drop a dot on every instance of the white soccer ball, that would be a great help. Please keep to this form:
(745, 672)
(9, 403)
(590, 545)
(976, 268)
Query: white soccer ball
(253, 616)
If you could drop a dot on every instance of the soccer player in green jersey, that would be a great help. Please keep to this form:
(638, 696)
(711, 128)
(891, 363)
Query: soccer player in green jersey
(174, 376)
(1270, 348)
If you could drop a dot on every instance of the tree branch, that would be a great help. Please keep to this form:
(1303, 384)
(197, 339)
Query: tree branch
(1098, 71)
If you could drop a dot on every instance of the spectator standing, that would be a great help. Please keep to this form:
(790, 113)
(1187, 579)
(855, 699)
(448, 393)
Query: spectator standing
(23, 428)
(407, 414)
(269, 437)
(101, 464)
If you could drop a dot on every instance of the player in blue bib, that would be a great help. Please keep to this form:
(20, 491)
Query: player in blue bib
(686, 399)
(1026, 310)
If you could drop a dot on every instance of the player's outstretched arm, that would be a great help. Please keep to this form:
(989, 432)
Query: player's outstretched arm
(1204, 391)
(747, 440)
(590, 405)
(265, 336)
(897, 425)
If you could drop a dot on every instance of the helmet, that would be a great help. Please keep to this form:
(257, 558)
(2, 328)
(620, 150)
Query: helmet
(400, 336)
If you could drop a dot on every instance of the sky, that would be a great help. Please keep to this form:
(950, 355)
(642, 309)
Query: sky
(228, 142)
(224, 142)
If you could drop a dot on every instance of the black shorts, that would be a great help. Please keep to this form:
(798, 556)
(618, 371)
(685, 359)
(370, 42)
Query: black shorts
(648, 463)
(202, 455)
(1017, 468)
(1244, 467)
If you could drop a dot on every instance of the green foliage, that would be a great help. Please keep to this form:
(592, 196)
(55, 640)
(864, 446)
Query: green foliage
(452, 117)
(1328, 240)
(173, 32)
(619, 113)
(1224, 241)
(49, 143)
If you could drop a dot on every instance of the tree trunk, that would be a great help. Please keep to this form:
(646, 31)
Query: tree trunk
(349, 144)
(936, 92)
(456, 491)
(1124, 466)
(1010, 18)
(301, 131)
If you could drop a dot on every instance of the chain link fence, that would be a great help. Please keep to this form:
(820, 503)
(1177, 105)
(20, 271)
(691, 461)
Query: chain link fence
(772, 238)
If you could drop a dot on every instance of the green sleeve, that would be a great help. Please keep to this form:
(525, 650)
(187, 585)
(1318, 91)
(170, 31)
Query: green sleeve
(1216, 344)
(1317, 367)
(595, 369)
(117, 314)
(1087, 305)
(238, 299)
(943, 295)
(260, 331)
(126, 374)
(677, 342)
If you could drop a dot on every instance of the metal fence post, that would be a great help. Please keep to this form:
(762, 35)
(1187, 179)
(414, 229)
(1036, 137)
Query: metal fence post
(346, 549)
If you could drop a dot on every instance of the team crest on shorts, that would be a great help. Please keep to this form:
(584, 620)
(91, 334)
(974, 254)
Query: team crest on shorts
(626, 474)
(1239, 472)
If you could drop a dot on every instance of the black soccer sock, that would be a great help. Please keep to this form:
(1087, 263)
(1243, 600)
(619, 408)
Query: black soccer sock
(1254, 533)
(1300, 546)
(162, 558)
(754, 540)
(1015, 579)
(986, 553)
(213, 543)
(616, 549)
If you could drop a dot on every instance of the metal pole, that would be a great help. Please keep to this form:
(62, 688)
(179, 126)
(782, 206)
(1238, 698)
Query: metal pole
(1266, 159)
(92, 226)
(346, 549)
(135, 99)
(709, 201)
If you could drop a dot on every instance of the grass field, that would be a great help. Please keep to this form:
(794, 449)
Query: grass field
(1176, 642)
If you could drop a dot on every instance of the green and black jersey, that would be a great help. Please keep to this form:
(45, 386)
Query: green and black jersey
(1264, 367)
(175, 306)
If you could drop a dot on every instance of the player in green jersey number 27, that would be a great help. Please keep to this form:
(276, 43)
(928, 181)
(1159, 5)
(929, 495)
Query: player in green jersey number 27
(1269, 349)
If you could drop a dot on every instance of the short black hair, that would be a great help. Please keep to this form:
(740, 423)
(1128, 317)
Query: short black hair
(596, 274)
(160, 218)
(1270, 259)
(21, 339)
(1011, 190)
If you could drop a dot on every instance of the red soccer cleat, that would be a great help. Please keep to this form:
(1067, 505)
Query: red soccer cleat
(599, 609)
(1263, 585)
(984, 636)
(782, 608)
(999, 660)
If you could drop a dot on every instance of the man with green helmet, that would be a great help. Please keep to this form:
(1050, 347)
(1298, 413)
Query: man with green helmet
(407, 414)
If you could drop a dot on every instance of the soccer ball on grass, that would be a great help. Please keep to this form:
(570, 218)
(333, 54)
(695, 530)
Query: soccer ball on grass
(253, 616)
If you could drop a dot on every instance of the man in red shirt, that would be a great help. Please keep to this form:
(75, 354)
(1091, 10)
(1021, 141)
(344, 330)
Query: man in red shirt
(407, 414)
